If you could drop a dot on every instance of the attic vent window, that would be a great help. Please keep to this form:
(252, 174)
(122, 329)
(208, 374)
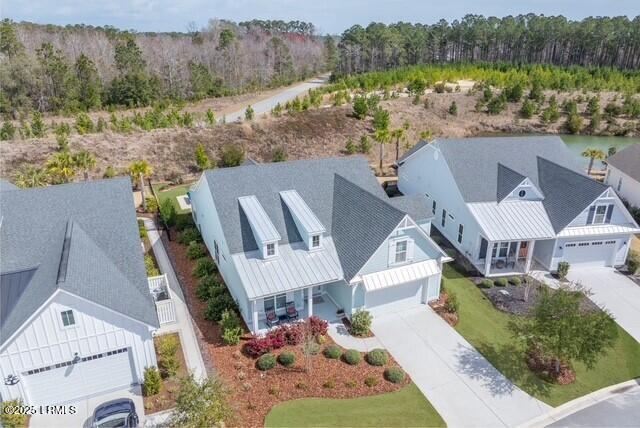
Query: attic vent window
(67, 318)
(522, 193)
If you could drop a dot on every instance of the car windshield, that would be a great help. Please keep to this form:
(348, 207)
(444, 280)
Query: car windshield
(117, 420)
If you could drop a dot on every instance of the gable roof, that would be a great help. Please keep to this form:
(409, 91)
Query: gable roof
(508, 180)
(342, 193)
(627, 160)
(78, 237)
(355, 212)
(420, 144)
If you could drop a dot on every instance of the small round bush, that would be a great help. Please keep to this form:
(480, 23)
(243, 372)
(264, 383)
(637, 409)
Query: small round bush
(501, 282)
(394, 374)
(311, 348)
(371, 381)
(486, 283)
(515, 281)
(204, 267)
(287, 358)
(266, 362)
(196, 250)
(377, 357)
(352, 357)
(333, 352)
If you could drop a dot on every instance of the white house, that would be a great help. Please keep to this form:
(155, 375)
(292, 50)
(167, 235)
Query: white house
(623, 174)
(76, 313)
(319, 235)
(506, 202)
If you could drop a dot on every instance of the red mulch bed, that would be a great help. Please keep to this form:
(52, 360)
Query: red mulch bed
(254, 393)
(439, 306)
(544, 367)
(166, 398)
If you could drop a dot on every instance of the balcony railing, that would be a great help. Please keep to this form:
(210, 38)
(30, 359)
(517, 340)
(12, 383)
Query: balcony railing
(159, 289)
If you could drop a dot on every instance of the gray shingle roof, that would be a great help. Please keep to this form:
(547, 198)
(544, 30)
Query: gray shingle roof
(361, 223)
(327, 186)
(508, 180)
(627, 160)
(417, 206)
(412, 150)
(104, 259)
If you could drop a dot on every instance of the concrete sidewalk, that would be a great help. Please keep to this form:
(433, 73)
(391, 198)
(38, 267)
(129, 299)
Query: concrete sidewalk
(461, 384)
(184, 324)
(341, 336)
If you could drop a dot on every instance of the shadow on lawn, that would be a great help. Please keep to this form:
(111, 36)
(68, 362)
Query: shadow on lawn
(512, 370)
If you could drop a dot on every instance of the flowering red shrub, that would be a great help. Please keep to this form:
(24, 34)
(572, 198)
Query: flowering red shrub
(317, 326)
(294, 333)
(258, 346)
(277, 337)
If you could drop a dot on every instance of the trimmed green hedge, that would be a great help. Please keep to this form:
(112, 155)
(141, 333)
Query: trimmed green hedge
(352, 357)
(266, 362)
(333, 352)
(378, 357)
(394, 374)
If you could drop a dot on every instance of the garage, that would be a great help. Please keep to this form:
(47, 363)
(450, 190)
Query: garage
(591, 253)
(85, 376)
(395, 298)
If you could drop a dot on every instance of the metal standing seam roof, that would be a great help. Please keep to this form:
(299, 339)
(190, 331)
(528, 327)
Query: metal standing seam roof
(399, 275)
(605, 229)
(261, 225)
(294, 268)
(302, 212)
(512, 220)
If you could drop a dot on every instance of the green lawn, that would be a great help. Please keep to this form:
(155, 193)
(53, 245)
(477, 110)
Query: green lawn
(171, 193)
(487, 329)
(404, 408)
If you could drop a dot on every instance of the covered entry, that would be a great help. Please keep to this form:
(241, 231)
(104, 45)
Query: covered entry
(79, 378)
(401, 288)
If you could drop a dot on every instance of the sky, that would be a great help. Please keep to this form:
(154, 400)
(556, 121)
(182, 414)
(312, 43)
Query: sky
(329, 16)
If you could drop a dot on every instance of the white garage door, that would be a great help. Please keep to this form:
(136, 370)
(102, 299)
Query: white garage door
(592, 253)
(394, 298)
(66, 381)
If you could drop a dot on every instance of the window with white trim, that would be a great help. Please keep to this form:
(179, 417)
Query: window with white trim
(315, 241)
(444, 217)
(600, 214)
(271, 250)
(619, 184)
(272, 303)
(401, 251)
(67, 318)
(433, 207)
(460, 233)
(216, 252)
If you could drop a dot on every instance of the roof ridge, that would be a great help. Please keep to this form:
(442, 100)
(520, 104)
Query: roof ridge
(378, 198)
(285, 163)
(74, 184)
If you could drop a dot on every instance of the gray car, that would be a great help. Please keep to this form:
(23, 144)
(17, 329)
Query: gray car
(119, 413)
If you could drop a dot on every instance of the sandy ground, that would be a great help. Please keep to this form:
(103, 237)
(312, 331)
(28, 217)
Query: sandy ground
(315, 133)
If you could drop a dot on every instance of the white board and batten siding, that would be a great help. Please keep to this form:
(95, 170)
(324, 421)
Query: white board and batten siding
(44, 341)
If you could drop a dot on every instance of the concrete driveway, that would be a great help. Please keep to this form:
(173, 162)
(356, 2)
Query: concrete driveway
(84, 410)
(615, 292)
(461, 384)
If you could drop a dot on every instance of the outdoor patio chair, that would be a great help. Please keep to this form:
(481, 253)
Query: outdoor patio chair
(272, 319)
(292, 312)
(511, 261)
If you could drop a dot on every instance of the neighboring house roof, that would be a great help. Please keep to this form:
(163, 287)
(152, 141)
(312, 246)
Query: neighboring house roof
(344, 197)
(412, 150)
(80, 237)
(488, 169)
(627, 160)
(416, 206)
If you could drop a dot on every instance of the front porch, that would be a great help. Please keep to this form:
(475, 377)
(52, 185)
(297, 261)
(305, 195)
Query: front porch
(500, 258)
(318, 304)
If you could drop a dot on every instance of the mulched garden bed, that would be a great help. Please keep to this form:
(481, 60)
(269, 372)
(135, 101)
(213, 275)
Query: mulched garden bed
(439, 306)
(166, 398)
(346, 322)
(511, 298)
(253, 392)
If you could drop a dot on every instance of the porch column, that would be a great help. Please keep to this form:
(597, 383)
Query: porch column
(310, 302)
(529, 255)
(487, 260)
(254, 308)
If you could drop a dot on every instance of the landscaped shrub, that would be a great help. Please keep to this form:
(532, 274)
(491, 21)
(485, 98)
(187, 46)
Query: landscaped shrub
(152, 381)
(394, 374)
(188, 235)
(152, 204)
(515, 281)
(232, 336)
(287, 358)
(293, 333)
(350, 384)
(266, 362)
(486, 283)
(377, 357)
(231, 329)
(167, 347)
(329, 384)
(168, 213)
(317, 326)
(633, 262)
(206, 286)
(278, 338)
(150, 266)
(12, 419)
(361, 322)
(370, 381)
(231, 155)
(501, 282)
(196, 250)
(333, 352)
(219, 301)
(563, 269)
(311, 348)
(204, 267)
(352, 357)
(184, 221)
(321, 339)
(451, 305)
(258, 346)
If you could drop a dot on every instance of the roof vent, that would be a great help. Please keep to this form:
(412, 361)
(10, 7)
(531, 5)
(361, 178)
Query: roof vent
(64, 257)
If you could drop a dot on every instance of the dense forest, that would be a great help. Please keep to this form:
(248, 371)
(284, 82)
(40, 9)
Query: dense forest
(66, 69)
(592, 42)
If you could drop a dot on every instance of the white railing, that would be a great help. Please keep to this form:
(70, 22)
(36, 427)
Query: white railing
(159, 289)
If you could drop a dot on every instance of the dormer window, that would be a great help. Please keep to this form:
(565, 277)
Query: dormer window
(307, 223)
(315, 241)
(522, 193)
(401, 251)
(271, 250)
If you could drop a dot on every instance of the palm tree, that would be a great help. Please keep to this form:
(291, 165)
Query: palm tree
(382, 136)
(400, 134)
(143, 170)
(85, 161)
(31, 176)
(593, 154)
(61, 167)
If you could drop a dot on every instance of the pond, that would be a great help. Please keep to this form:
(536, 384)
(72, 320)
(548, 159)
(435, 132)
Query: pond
(579, 143)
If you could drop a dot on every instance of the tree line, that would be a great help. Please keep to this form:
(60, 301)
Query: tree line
(79, 68)
(591, 42)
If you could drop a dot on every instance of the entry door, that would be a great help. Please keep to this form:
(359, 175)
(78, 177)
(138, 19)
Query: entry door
(483, 249)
